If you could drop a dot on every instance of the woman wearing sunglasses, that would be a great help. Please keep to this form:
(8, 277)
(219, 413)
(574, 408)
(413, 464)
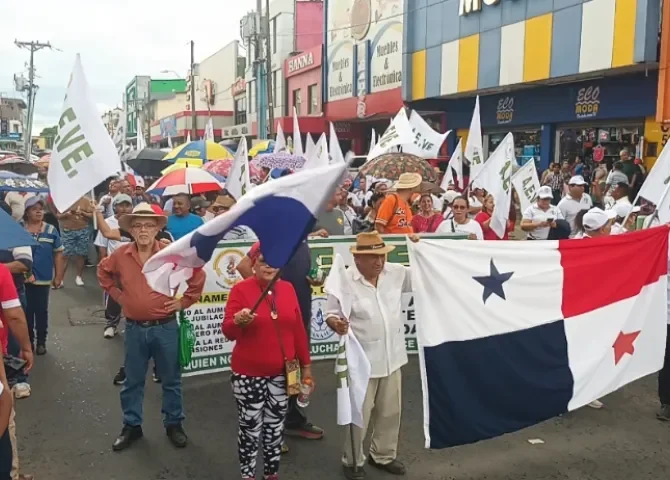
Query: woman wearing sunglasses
(460, 223)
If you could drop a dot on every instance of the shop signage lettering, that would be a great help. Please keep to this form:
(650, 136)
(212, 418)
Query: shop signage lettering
(345, 87)
(469, 6)
(505, 110)
(386, 77)
(300, 62)
(587, 103)
(236, 131)
(240, 86)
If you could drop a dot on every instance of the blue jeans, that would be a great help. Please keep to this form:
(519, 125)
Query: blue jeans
(13, 347)
(37, 312)
(160, 342)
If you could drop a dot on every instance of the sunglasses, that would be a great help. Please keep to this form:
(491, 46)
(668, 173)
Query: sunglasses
(459, 207)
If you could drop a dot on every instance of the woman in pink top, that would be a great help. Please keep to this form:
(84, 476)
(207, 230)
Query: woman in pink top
(484, 219)
(427, 220)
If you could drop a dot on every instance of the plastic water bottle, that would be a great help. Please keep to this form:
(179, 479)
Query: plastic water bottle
(306, 388)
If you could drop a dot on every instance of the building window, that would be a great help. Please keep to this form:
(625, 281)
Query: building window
(241, 111)
(313, 99)
(274, 35)
(297, 102)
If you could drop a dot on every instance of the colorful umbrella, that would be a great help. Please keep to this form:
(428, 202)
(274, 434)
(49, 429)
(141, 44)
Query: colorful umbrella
(177, 166)
(17, 164)
(279, 160)
(13, 182)
(222, 167)
(197, 153)
(186, 180)
(266, 146)
(391, 165)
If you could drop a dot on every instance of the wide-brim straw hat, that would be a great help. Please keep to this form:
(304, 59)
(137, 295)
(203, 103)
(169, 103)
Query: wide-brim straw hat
(370, 243)
(407, 181)
(142, 210)
(225, 201)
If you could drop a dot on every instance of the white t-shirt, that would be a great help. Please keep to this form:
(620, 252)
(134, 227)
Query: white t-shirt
(570, 207)
(110, 245)
(471, 226)
(17, 202)
(536, 214)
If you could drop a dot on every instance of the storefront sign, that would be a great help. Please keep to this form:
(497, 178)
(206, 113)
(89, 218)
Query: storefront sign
(505, 110)
(213, 351)
(234, 131)
(168, 126)
(587, 103)
(240, 86)
(301, 62)
(469, 6)
(377, 24)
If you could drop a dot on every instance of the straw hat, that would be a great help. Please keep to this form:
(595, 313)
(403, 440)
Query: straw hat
(407, 181)
(142, 210)
(370, 243)
(225, 201)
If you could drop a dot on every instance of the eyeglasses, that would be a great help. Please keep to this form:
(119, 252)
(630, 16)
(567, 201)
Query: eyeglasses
(144, 226)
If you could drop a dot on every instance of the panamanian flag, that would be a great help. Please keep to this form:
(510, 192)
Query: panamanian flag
(514, 333)
(281, 214)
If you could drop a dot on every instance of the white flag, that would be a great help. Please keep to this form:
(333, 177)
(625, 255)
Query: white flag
(297, 138)
(280, 142)
(373, 140)
(474, 151)
(209, 131)
(426, 142)
(455, 163)
(352, 366)
(238, 181)
(169, 141)
(496, 178)
(83, 154)
(335, 149)
(319, 157)
(398, 133)
(188, 137)
(658, 177)
(310, 147)
(141, 142)
(526, 183)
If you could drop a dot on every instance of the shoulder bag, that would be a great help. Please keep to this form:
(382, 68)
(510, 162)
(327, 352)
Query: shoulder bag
(291, 367)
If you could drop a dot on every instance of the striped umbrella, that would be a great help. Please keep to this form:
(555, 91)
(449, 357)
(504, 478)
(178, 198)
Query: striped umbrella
(196, 153)
(187, 180)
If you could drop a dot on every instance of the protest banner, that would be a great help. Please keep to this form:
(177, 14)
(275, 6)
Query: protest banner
(398, 133)
(213, 351)
(426, 142)
(526, 183)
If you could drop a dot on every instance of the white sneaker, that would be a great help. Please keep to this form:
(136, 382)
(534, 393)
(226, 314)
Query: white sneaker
(109, 332)
(21, 390)
(79, 281)
(597, 404)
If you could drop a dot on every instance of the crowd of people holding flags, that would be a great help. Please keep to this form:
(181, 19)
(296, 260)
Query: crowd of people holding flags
(153, 243)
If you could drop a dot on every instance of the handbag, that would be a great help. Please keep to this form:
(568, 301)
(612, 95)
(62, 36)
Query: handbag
(291, 367)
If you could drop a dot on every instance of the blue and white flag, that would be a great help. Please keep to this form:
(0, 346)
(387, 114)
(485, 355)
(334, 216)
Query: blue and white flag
(508, 337)
(281, 214)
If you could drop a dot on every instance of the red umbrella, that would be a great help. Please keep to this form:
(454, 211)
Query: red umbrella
(222, 167)
(186, 180)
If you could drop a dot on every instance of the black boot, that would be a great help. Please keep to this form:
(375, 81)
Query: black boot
(127, 436)
(177, 435)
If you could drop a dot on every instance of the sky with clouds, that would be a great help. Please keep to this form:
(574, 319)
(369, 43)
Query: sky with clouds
(117, 39)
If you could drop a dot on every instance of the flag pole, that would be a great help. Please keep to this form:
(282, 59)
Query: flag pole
(95, 219)
(351, 432)
(265, 291)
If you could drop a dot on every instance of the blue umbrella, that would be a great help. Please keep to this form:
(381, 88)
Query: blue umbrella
(12, 233)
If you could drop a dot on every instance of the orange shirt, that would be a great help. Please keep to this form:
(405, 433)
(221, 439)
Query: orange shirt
(399, 221)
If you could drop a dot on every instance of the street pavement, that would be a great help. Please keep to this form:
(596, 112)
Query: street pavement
(66, 428)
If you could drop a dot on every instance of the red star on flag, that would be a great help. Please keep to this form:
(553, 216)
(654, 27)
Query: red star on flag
(624, 345)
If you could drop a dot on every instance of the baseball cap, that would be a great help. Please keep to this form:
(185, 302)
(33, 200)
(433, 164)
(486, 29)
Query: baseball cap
(623, 209)
(545, 192)
(32, 201)
(122, 198)
(577, 180)
(596, 218)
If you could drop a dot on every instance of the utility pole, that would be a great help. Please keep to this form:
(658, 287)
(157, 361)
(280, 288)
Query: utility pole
(259, 66)
(194, 130)
(32, 90)
(268, 69)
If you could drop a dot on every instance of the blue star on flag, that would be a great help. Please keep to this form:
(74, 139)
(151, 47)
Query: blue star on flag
(493, 283)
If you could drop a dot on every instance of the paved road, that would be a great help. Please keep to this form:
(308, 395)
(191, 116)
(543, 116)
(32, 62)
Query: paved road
(67, 427)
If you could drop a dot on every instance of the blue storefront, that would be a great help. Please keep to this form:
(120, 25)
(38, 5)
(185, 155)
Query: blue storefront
(556, 123)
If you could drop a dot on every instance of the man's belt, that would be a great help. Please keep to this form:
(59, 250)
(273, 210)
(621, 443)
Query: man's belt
(151, 323)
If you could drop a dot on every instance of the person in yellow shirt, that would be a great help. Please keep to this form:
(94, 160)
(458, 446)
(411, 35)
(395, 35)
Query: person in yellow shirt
(395, 213)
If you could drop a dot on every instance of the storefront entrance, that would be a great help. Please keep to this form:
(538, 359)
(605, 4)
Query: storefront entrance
(527, 143)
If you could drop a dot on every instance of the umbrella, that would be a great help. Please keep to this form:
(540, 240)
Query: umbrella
(391, 165)
(198, 152)
(222, 167)
(144, 154)
(279, 160)
(13, 182)
(17, 165)
(147, 168)
(12, 234)
(186, 180)
(265, 146)
(44, 161)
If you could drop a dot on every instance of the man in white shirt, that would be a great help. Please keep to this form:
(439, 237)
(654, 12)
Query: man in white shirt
(541, 216)
(122, 205)
(618, 196)
(376, 289)
(574, 202)
(106, 201)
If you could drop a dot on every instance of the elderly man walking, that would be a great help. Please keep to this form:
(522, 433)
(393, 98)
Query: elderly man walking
(151, 325)
(376, 289)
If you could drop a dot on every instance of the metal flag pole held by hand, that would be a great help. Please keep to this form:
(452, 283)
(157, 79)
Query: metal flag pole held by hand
(265, 291)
